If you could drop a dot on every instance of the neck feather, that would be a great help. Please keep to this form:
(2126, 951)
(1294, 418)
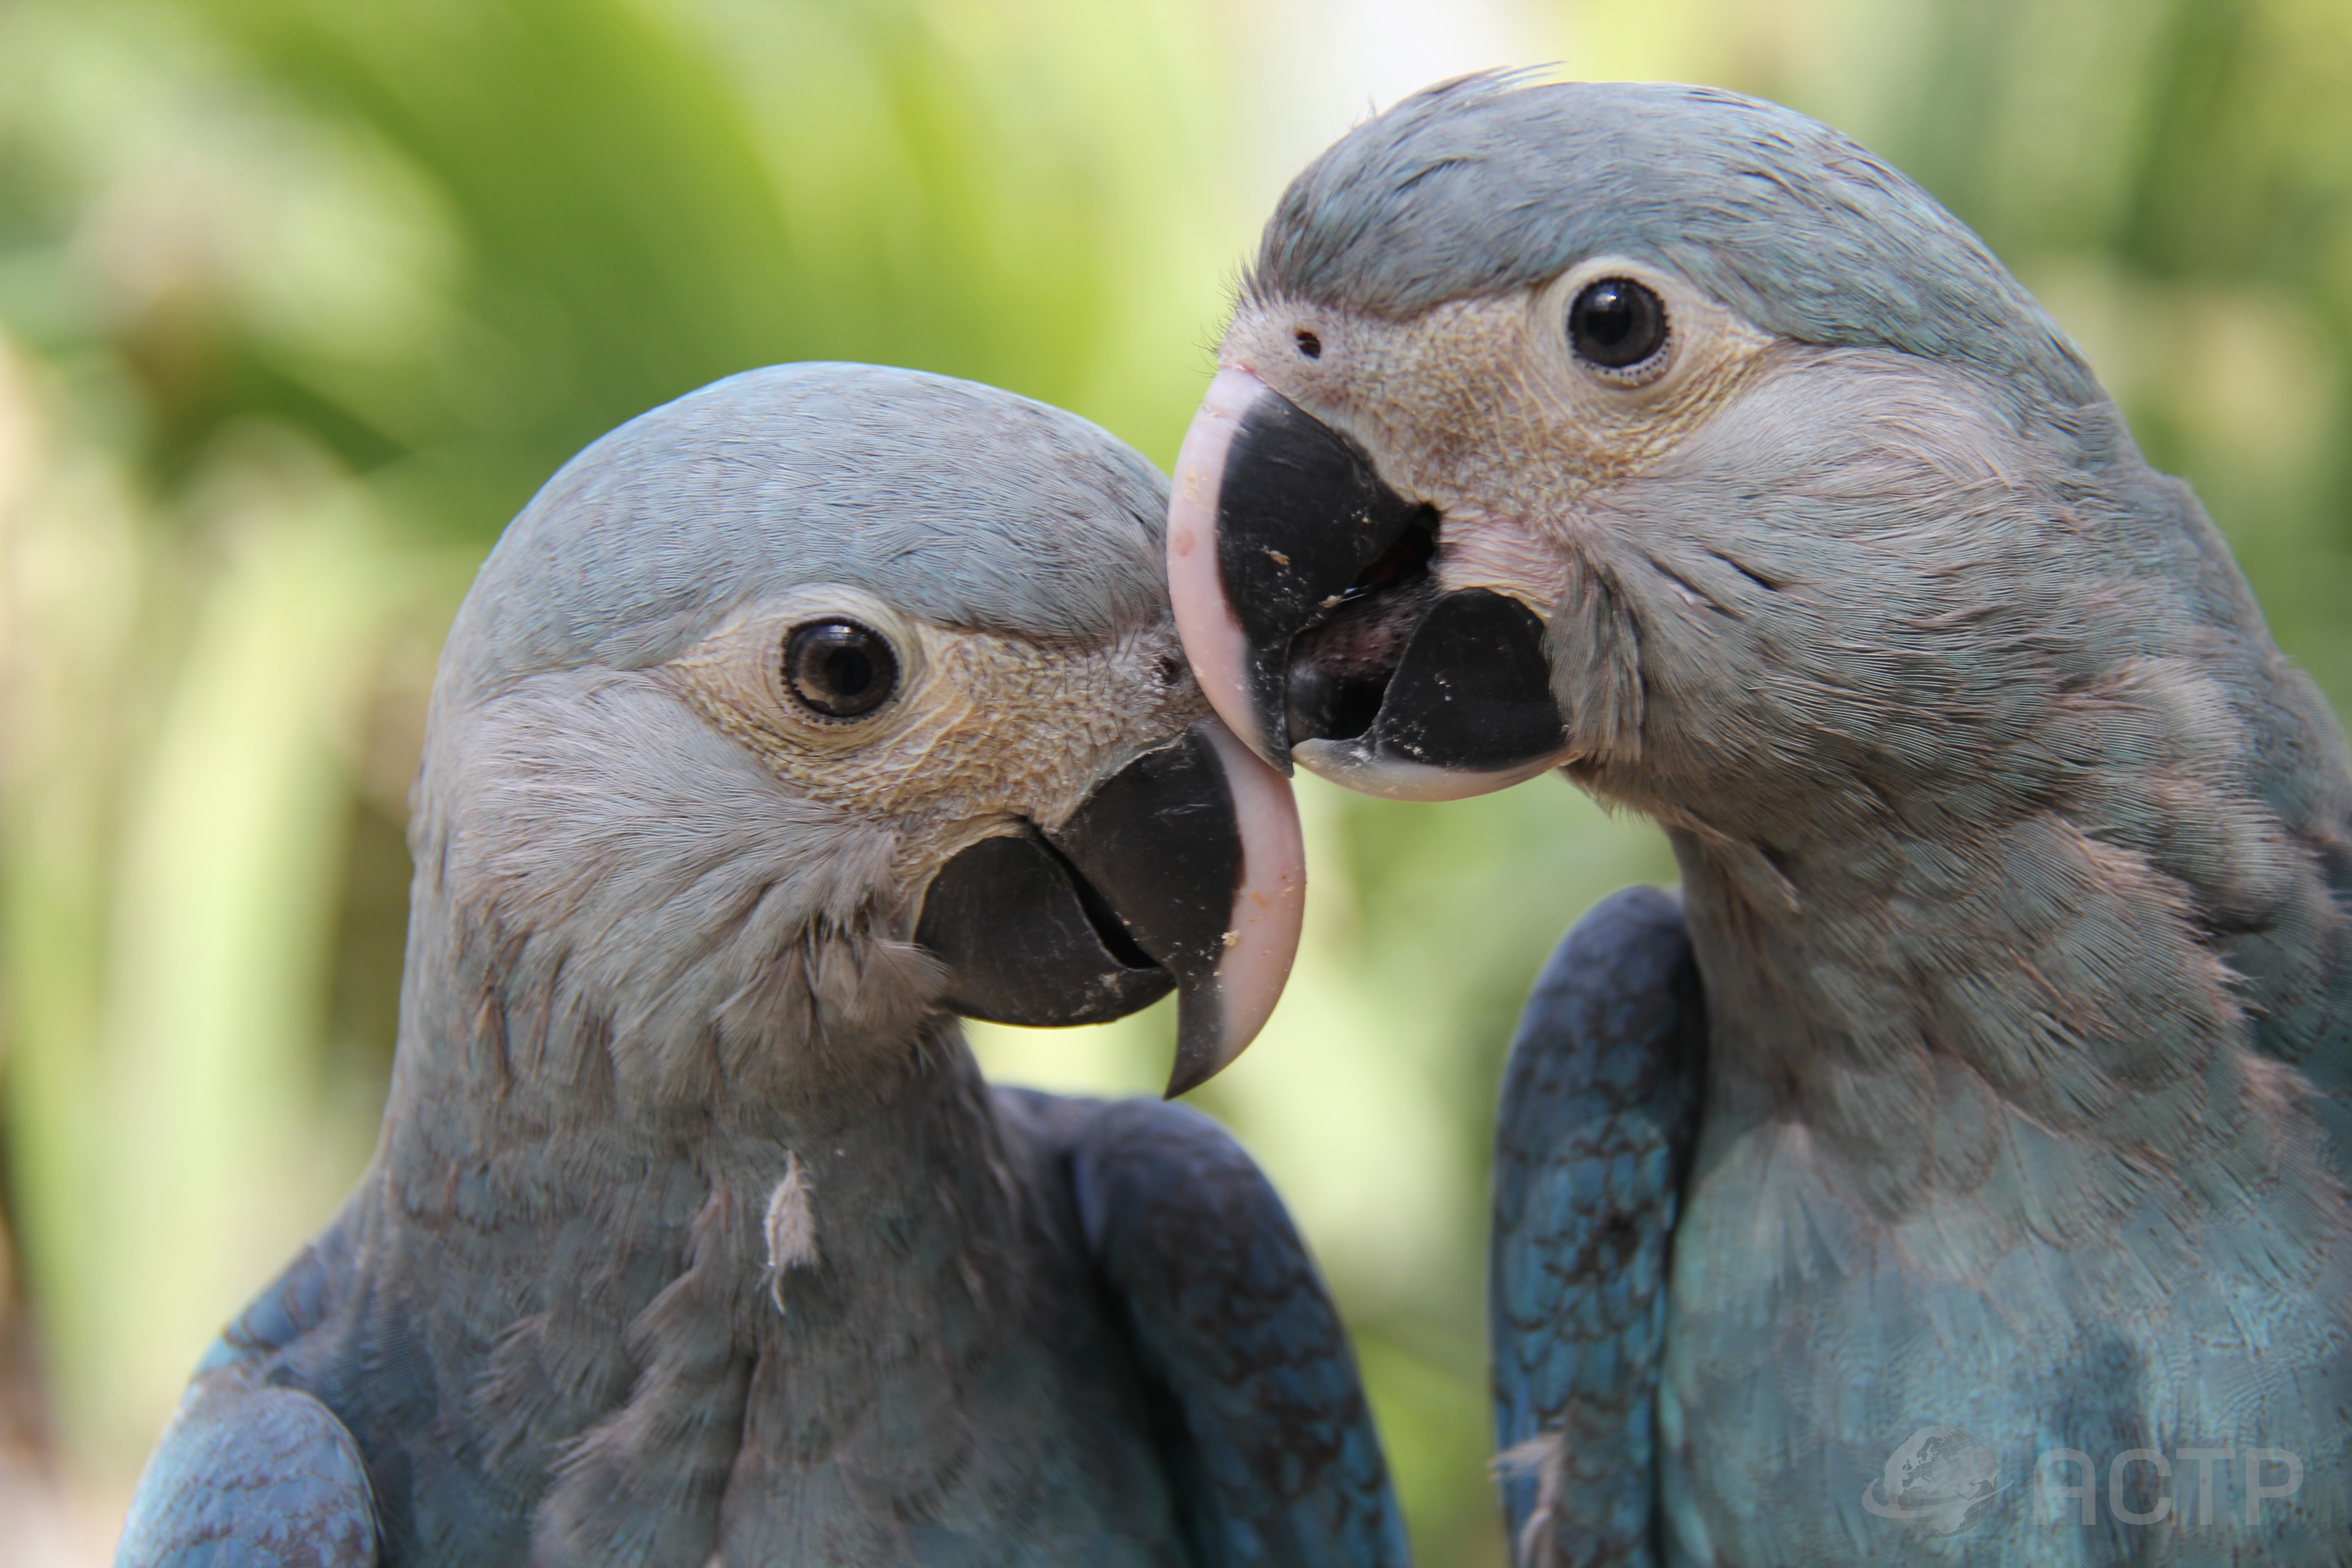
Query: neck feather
(2150, 956)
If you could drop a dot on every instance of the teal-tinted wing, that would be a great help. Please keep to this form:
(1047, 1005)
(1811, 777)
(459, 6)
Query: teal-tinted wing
(1273, 1453)
(251, 1476)
(1599, 1113)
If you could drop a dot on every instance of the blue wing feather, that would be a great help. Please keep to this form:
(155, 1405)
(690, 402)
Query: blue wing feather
(1599, 1112)
(251, 1476)
(1272, 1446)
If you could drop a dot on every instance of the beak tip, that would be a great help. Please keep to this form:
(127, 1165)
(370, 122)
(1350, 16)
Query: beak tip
(1269, 906)
(1184, 1082)
(1203, 1047)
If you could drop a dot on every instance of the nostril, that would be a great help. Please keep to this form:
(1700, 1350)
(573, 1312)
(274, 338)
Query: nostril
(1308, 343)
(1169, 670)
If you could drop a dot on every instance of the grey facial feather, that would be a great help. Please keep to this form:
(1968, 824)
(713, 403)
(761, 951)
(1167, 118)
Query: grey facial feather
(665, 903)
(1481, 187)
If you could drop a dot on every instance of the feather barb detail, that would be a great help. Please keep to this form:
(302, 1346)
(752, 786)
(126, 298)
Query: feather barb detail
(790, 1226)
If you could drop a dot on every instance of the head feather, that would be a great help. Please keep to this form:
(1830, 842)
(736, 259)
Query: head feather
(959, 503)
(1484, 186)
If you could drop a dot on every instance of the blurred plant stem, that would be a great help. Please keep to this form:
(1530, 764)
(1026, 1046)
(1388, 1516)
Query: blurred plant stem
(70, 607)
(175, 814)
(233, 850)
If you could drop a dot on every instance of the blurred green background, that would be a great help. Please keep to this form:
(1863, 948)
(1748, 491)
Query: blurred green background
(300, 298)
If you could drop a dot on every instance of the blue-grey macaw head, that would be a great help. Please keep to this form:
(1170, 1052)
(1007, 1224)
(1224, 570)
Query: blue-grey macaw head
(1646, 430)
(827, 695)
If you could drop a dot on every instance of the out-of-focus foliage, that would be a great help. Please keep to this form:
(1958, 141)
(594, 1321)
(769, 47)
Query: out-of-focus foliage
(298, 300)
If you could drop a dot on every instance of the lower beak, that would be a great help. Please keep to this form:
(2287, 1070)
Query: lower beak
(1182, 872)
(1303, 590)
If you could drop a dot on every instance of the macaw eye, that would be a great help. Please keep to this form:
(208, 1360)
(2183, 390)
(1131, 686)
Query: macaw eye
(1617, 323)
(840, 669)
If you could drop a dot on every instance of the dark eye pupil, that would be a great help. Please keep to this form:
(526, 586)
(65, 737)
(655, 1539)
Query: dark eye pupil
(840, 669)
(847, 669)
(1617, 322)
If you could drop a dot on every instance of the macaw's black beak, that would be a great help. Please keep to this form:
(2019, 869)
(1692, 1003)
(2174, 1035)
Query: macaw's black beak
(1303, 589)
(1182, 872)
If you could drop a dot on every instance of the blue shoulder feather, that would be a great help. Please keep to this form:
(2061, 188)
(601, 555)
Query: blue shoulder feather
(251, 1476)
(1272, 1449)
(1599, 1111)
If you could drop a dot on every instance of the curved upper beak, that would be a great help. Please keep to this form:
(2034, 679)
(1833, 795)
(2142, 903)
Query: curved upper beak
(1303, 591)
(1184, 870)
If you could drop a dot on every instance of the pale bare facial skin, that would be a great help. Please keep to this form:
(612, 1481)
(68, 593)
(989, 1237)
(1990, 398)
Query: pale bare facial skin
(983, 730)
(1481, 409)
(987, 735)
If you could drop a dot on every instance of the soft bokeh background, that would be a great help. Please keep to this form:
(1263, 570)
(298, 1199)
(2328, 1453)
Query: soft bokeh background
(299, 300)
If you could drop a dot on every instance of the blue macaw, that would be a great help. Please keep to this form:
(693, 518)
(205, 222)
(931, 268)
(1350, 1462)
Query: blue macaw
(788, 720)
(1956, 1165)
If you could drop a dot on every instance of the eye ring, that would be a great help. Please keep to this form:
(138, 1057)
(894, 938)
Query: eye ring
(839, 668)
(1619, 327)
